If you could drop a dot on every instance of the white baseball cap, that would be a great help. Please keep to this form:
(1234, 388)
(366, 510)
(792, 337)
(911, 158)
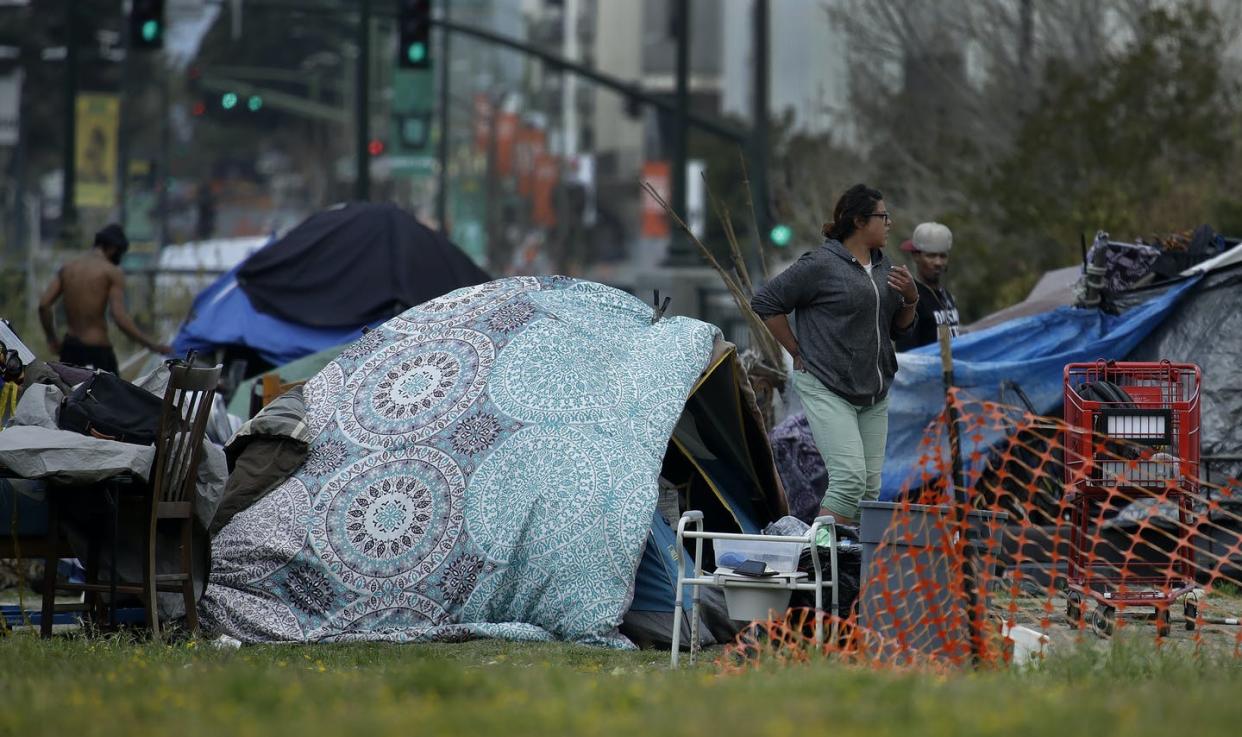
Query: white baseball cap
(930, 238)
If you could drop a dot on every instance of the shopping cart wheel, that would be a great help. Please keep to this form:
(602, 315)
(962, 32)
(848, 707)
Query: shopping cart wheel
(1102, 620)
(1191, 610)
(1162, 621)
(1073, 609)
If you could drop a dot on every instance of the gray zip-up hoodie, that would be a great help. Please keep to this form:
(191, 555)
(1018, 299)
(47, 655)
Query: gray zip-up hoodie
(844, 319)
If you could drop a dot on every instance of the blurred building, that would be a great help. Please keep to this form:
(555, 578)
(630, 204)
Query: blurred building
(607, 145)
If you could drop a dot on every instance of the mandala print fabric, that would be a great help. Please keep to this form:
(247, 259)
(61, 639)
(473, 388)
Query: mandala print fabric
(484, 464)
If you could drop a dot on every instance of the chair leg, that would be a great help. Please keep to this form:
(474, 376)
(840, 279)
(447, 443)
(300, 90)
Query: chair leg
(92, 600)
(187, 569)
(149, 597)
(49, 565)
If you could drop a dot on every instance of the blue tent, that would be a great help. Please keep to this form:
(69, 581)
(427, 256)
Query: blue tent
(222, 315)
(340, 270)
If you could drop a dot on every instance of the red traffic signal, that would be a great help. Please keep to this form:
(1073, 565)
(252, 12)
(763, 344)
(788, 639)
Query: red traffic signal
(375, 147)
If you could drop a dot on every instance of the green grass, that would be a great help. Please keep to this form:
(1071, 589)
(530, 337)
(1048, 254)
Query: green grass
(112, 686)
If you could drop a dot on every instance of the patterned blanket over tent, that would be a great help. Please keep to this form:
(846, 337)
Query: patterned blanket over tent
(484, 464)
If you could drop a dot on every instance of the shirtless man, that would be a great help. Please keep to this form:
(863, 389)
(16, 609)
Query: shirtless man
(92, 284)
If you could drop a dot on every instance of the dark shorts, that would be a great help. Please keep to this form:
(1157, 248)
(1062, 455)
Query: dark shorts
(77, 353)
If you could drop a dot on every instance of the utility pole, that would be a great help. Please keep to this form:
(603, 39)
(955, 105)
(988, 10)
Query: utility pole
(678, 248)
(165, 169)
(759, 140)
(569, 82)
(443, 148)
(68, 208)
(122, 163)
(362, 106)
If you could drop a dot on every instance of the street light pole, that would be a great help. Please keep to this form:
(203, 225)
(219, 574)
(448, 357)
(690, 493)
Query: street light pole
(362, 176)
(68, 210)
(678, 248)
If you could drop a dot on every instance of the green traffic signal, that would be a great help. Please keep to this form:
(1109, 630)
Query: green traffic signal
(254, 103)
(780, 235)
(229, 100)
(416, 52)
(150, 30)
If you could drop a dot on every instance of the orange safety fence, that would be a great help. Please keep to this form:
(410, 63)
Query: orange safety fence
(1070, 531)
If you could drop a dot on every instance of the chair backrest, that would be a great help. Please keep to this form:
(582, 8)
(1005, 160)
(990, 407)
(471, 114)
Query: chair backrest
(183, 424)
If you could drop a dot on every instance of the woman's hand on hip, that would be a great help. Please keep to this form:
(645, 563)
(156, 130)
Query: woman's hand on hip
(899, 280)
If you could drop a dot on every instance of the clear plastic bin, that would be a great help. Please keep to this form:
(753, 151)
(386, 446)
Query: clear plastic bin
(781, 557)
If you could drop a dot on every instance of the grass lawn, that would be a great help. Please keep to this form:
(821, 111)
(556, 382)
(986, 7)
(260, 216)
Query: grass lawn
(115, 686)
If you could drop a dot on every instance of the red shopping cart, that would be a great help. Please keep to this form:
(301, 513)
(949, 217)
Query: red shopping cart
(1132, 435)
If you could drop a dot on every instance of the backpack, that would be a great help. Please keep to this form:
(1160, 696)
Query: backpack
(108, 407)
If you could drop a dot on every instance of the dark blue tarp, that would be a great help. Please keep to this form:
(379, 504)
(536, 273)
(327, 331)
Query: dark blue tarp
(655, 583)
(222, 315)
(1031, 351)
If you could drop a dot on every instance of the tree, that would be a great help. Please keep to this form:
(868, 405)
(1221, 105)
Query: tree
(1136, 145)
(1021, 124)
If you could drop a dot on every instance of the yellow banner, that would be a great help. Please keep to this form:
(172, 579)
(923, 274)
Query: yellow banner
(98, 120)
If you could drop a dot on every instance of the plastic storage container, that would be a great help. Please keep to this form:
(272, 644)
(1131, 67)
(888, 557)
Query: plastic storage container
(905, 554)
(780, 557)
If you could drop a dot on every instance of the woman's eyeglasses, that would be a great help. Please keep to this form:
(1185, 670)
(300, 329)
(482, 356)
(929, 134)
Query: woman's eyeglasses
(884, 215)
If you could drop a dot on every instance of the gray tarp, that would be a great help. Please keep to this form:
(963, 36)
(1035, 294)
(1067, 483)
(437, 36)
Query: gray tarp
(65, 457)
(1207, 330)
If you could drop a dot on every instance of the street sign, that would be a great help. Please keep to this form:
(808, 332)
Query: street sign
(95, 149)
(411, 164)
(411, 111)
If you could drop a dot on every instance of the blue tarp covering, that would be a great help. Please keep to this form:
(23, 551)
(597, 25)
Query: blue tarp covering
(655, 583)
(1030, 351)
(223, 315)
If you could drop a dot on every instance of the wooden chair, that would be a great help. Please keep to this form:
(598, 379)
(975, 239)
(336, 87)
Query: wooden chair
(168, 497)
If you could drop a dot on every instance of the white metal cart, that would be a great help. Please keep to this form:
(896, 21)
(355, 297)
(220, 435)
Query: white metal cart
(815, 583)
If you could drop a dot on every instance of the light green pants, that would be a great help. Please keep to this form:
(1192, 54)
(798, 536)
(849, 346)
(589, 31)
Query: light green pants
(851, 440)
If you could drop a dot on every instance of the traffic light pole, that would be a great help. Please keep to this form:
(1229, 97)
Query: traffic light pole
(443, 148)
(362, 116)
(759, 115)
(122, 153)
(628, 89)
(679, 253)
(68, 208)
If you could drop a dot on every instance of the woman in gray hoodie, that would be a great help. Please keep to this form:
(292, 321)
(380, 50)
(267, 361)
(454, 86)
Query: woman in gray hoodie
(849, 304)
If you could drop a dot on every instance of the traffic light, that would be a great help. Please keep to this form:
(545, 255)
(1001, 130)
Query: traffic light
(254, 103)
(780, 235)
(375, 147)
(146, 24)
(229, 100)
(414, 34)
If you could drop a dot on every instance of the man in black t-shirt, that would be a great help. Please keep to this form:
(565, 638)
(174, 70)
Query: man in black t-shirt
(929, 249)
